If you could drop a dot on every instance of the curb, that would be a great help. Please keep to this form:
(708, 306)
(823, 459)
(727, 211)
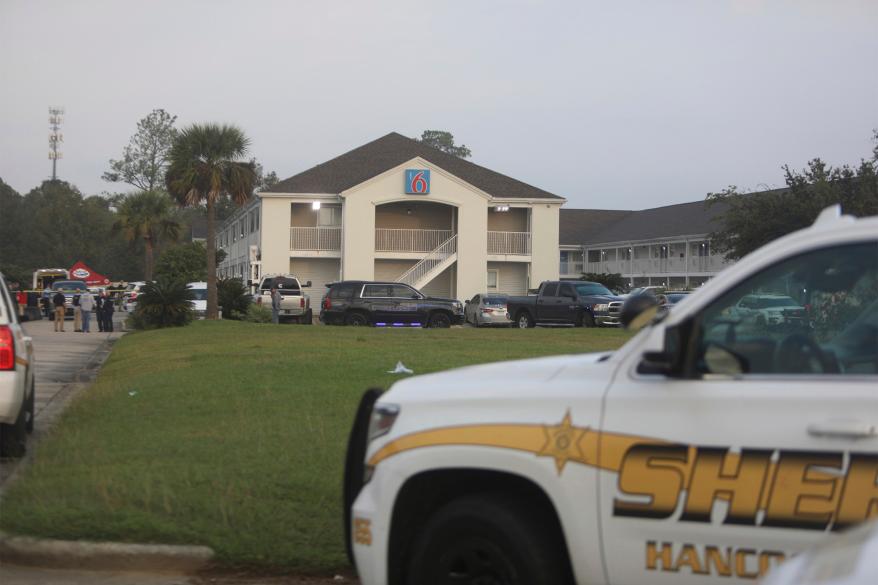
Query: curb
(103, 556)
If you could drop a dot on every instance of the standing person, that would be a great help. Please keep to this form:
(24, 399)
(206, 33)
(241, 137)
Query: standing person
(99, 310)
(58, 302)
(107, 310)
(77, 315)
(275, 305)
(86, 304)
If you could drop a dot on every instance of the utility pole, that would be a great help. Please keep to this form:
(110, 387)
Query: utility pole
(56, 116)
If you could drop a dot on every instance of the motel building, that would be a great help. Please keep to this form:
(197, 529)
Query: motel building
(397, 210)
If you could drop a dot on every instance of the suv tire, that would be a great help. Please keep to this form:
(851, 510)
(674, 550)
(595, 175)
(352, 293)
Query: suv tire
(440, 321)
(487, 538)
(356, 320)
(13, 438)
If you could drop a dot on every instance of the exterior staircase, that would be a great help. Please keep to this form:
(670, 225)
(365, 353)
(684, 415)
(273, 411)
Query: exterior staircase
(431, 265)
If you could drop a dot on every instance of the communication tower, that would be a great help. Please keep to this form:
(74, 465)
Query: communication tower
(56, 116)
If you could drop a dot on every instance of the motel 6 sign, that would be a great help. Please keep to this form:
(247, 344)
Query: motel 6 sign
(417, 181)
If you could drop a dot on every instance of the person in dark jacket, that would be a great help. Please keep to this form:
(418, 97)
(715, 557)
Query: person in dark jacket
(99, 310)
(106, 314)
(58, 301)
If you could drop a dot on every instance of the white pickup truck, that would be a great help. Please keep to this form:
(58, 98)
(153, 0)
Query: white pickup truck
(16, 378)
(707, 449)
(295, 304)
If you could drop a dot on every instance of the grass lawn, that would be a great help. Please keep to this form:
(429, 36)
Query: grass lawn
(233, 434)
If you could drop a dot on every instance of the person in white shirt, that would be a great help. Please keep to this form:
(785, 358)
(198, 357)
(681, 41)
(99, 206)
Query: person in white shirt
(86, 305)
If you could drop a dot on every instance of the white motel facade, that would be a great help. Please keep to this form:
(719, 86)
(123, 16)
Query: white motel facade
(397, 210)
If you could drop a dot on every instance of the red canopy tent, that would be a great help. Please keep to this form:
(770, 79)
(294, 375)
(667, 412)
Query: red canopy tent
(80, 271)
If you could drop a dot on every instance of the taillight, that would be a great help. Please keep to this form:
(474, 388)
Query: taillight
(133, 296)
(302, 302)
(327, 304)
(7, 349)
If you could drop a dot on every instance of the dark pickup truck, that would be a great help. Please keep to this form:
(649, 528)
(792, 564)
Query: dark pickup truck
(386, 304)
(571, 302)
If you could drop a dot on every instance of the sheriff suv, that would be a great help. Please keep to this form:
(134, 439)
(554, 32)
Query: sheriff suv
(16, 378)
(358, 302)
(704, 450)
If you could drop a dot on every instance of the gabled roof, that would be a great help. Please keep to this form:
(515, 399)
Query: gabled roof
(576, 224)
(372, 159)
(596, 226)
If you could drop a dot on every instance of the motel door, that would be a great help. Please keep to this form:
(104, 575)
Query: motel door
(724, 474)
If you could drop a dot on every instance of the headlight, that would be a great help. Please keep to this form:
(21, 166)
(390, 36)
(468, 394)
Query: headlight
(383, 417)
(602, 307)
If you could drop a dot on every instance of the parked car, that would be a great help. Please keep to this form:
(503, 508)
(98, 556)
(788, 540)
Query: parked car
(295, 304)
(16, 378)
(672, 297)
(199, 305)
(574, 302)
(487, 309)
(769, 309)
(129, 296)
(390, 304)
(69, 288)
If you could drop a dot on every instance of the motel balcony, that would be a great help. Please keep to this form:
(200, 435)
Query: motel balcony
(315, 239)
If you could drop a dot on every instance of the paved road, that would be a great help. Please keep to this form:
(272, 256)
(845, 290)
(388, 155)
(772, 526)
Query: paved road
(65, 362)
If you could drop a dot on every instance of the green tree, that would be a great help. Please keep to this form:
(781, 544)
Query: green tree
(186, 262)
(207, 162)
(748, 221)
(444, 141)
(147, 216)
(615, 282)
(145, 159)
(234, 297)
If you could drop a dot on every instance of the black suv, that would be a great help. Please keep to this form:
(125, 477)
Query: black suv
(386, 304)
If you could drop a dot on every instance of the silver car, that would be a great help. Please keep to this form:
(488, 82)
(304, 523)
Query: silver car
(487, 309)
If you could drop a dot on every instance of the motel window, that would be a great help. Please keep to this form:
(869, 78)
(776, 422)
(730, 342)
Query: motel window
(243, 226)
(256, 215)
(493, 279)
(252, 222)
(329, 217)
(594, 255)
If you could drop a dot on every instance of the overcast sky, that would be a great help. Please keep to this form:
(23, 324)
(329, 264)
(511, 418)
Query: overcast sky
(610, 104)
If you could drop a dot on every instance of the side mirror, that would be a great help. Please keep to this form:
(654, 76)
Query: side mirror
(308, 284)
(466, 302)
(249, 283)
(657, 362)
(639, 310)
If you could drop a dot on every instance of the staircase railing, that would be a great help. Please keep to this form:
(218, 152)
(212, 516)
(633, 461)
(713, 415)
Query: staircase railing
(429, 262)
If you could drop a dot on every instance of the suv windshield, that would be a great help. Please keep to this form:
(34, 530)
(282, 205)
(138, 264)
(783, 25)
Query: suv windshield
(495, 300)
(592, 288)
(76, 285)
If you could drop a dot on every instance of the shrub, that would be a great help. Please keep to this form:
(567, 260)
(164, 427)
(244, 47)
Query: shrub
(256, 313)
(164, 303)
(233, 296)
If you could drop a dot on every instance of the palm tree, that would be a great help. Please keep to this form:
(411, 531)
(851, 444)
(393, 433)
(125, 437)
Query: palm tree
(207, 162)
(147, 216)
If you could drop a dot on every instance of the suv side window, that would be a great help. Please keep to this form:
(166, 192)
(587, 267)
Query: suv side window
(815, 313)
(376, 291)
(401, 291)
(342, 291)
(551, 290)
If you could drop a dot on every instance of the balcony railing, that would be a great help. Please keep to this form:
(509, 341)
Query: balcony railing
(646, 266)
(407, 240)
(315, 238)
(571, 268)
(509, 243)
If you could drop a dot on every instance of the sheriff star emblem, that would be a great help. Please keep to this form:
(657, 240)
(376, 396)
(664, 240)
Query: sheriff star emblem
(562, 442)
